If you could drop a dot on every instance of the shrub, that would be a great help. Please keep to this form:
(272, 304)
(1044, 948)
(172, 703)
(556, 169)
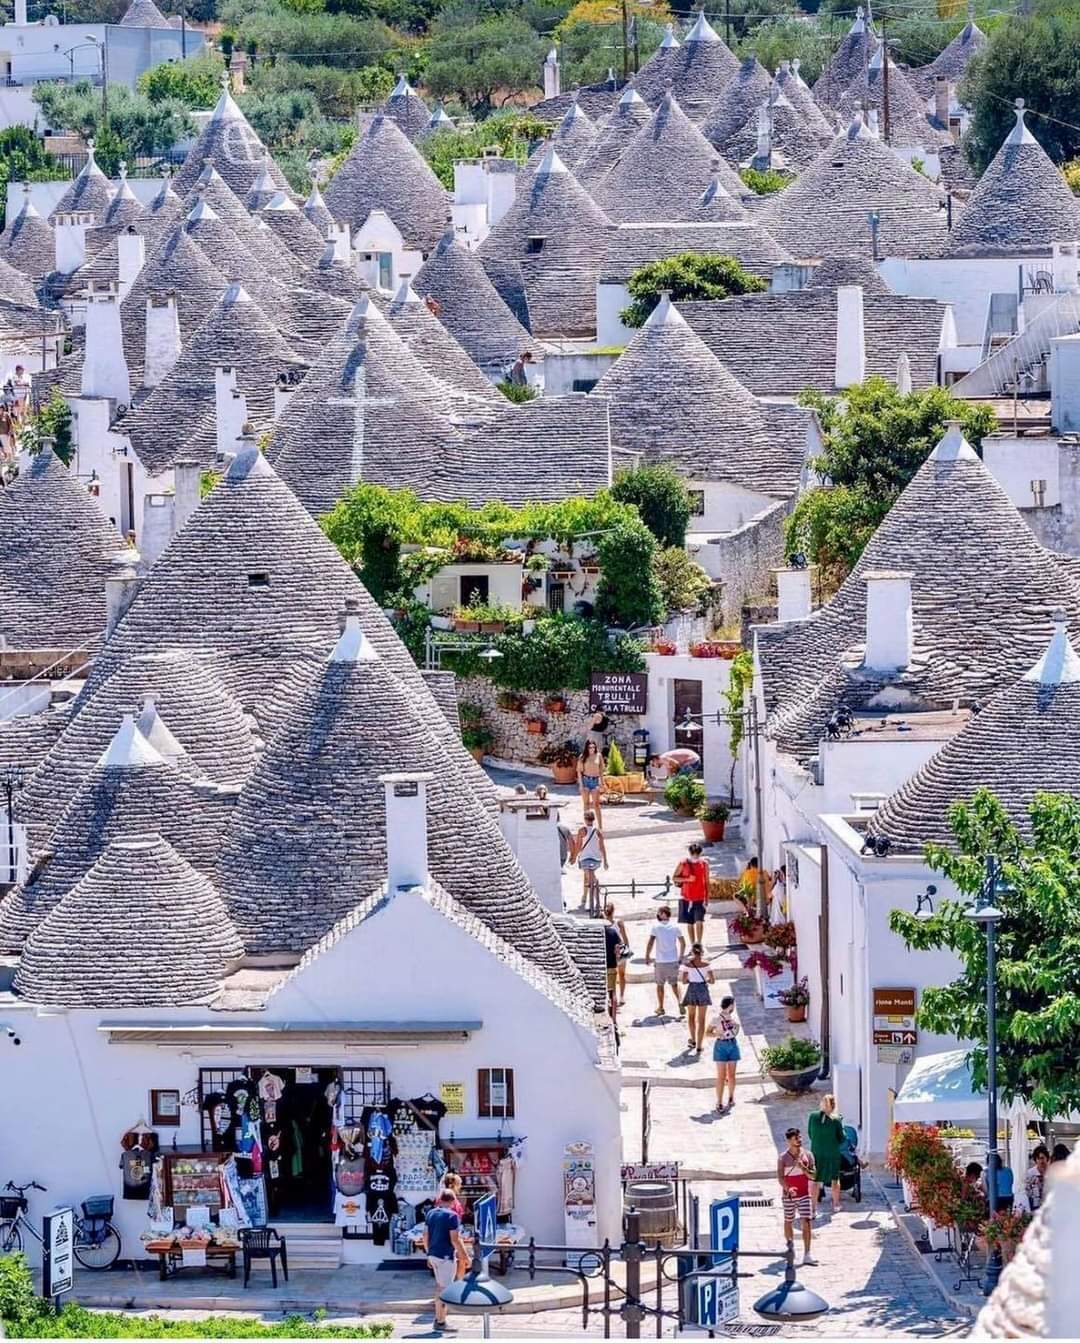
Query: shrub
(628, 593)
(714, 811)
(685, 793)
(564, 753)
(684, 584)
(515, 392)
(1006, 1227)
(765, 182)
(477, 738)
(615, 766)
(470, 714)
(791, 1055)
(797, 996)
(52, 421)
(690, 275)
(195, 83)
(661, 499)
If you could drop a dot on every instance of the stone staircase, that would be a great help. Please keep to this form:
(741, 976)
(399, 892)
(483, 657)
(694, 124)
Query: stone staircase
(312, 1244)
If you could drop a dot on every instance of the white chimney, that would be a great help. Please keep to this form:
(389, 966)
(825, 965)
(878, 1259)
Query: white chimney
(230, 406)
(764, 134)
(90, 423)
(552, 75)
(162, 337)
(793, 593)
(69, 239)
(1064, 265)
(187, 477)
(1065, 384)
(104, 370)
(941, 100)
(339, 235)
(20, 13)
(890, 632)
(121, 585)
(131, 253)
(530, 825)
(850, 336)
(406, 830)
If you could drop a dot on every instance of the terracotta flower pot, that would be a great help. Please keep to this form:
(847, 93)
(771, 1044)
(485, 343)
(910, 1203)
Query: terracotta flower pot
(536, 726)
(713, 831)
(466, 626)
(477, 753)
(755, 937)
(564, 773)
(492, 626)
(796, 1013)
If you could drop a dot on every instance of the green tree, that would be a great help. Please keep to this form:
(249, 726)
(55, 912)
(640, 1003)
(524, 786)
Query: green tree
(134, 125)
(194, 83)
(1038, 941)
(628, 593)
(789, 37)
(512, 133)
(1031, 57)
(660, 497)
(875, 439)
(52, 421)
(690, 275)
(481, 58)
(23, 158)
(684, 584)
(765, 181)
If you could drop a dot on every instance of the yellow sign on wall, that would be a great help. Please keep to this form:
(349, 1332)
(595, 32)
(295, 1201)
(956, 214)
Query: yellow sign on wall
(452, 1095)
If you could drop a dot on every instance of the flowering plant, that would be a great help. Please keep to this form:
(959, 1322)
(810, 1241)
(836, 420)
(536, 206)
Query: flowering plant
(666, 647)
(797, 996)
(781, 937)
(913, 1147)
(768, 964)
(747, 927)
(1006, 1227)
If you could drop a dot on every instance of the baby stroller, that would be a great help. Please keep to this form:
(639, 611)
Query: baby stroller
(850, 1165)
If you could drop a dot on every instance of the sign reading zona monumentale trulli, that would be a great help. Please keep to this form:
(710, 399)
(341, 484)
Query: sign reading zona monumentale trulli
(619, 692)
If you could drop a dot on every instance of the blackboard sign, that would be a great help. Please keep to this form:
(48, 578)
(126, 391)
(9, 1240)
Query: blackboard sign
(619, 692)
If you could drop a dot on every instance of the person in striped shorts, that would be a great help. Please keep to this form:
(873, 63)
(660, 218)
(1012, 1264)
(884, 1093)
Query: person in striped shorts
(795, 1169)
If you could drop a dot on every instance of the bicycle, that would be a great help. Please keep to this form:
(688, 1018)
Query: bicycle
(97, 1242)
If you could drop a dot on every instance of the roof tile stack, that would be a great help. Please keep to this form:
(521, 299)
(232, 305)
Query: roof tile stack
(1021, 205)
(706, 424)
(385, 172)
(55, 546)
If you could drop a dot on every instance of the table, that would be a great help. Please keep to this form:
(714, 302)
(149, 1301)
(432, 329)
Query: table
(508, 1236)
(171, 1258)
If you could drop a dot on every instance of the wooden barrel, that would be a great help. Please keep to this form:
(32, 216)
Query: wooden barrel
(658, 1209)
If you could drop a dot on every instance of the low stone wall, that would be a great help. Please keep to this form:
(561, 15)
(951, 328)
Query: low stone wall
(513, 742)
(748, 555)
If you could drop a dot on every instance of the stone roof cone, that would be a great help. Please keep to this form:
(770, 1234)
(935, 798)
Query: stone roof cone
(555, 207)
(308, 843)
(230, 143)
(1024, 741)
(386, 172)
(143, 14)
(737, 103)
(246, 234)
(316, 211)
(794, 144)
(291, 226)
(847, 63)
(408, 109)
(1021, 204)
(56, 546)
(125, 207)
(89, 191)
(795, 89)
(574, 135)
(470, 307)
(81, 955)
(28, 243)
(630, 114)
(425, 336)
(978, 574)
(262, 189)
(664, 170)
(697, 72)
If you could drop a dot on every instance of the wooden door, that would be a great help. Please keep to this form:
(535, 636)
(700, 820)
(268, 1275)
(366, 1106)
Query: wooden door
(688, 697)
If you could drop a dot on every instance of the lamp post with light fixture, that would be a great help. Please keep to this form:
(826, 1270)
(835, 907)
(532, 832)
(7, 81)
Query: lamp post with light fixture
(11, 780)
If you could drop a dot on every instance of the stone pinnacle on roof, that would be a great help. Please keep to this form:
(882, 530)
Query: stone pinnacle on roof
(155, 731)
(89, 191)
(407, 109)
(230, 143)
(953, 446)
(1060, 664)
(669, 40)
(263, 188)
(697, 72)
(129, 749)
(1021, 204)
(354, 645)
(315, 209)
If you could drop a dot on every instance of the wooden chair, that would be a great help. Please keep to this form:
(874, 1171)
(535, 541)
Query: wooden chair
(263, 1242)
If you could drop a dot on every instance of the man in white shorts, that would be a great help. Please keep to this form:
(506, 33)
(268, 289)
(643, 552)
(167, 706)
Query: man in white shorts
(445, 1251)
(670, 946)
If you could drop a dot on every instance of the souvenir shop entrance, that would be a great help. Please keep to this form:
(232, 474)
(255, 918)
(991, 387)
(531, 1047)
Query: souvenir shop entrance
(281, 1121)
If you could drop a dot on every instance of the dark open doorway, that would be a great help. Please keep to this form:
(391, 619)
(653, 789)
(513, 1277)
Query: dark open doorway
(296, 1143)
(688, 697)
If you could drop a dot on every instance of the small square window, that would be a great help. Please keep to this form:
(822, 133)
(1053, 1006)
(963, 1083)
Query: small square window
(534, 245)
(697, 503)
(258, 580)
(495, 1088)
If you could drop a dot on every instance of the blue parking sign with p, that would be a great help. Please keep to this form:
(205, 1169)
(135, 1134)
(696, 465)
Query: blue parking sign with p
(724, 1227)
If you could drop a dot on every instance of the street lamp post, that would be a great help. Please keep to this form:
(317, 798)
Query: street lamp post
(988, 916)
(11, 781)
(476, 1293)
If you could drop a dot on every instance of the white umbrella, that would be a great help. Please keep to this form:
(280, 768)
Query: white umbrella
(1016, 1151)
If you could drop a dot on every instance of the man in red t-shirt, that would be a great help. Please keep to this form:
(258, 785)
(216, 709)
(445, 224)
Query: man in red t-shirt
(795, 1169)
(692, 879)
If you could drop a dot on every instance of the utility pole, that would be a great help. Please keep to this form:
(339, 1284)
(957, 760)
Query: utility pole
(625, 46)
(183, 30)
(885, 80)
(762, 904)
(727, 22)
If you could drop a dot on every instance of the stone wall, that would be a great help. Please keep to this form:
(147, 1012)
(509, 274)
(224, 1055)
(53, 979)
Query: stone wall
(1058, 527)
(748, 556)
(513, 742)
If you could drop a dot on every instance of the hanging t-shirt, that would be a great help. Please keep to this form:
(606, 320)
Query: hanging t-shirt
(377, 1122)
(271, 1087)
(136, 1167)
(428, 1111)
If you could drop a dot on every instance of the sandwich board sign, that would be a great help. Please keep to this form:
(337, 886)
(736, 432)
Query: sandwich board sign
(717, 1301)
(484, 1214)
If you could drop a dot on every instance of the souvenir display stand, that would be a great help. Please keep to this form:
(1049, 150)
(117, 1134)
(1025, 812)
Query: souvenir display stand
(192, 1179)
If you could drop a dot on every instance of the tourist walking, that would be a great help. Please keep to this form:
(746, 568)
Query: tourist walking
(444, 1249)
(613, 949)
(519, 376)
(697, 975)
(795, 1170)
(590, 853)
(725, 1051)
(590, 772)
(825, 1129)
(1035, 1180)
(670, 946)
(622, 954)
(692, 879)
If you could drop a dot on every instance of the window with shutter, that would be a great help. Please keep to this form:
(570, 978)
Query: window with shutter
(495, 1091)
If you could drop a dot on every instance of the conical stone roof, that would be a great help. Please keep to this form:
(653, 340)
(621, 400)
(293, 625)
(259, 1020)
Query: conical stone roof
(262, 189)
(952, 63)
(293, 228)
(28, 243)
(55, 547)
(470, 307)
(229, 141)
(125, 207)
(142, 895)
(237, 334)
(574, 135)
(165, 210)
(89, 191)
(982, 588)
(663, 171)
(429, 340)
(16, 286)
(790, 83)
(794, 145)
(143, 14)
(1021, 205)
(308, 842)
(1024, 741)
(707, 424)
(909, 124)
(316, 211)
(613, 136)
(438, 121)
(555, 207)
(275, 259)
(824, 211)
(697, 72)
(189, 696)
(740, 99)
(408, 109)
(848, 63)
(386, 172)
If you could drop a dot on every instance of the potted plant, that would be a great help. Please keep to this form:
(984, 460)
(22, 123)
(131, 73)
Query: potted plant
(795, 1000)
(510, 701)
(562, 757)
(464, 620)
(470, 714)
(590, 564)
(716, 648)
(781, 937)
(713, 817)
(913, 1150)
(535, 725)
(684, 794)
(537, 564)
(478, 741)
(562, 569)
(555, 704)
(748, 929)
(665, 647)
(793, 1065)
(1005, 1230)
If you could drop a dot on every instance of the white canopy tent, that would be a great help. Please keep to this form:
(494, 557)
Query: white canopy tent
(937, 1089)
